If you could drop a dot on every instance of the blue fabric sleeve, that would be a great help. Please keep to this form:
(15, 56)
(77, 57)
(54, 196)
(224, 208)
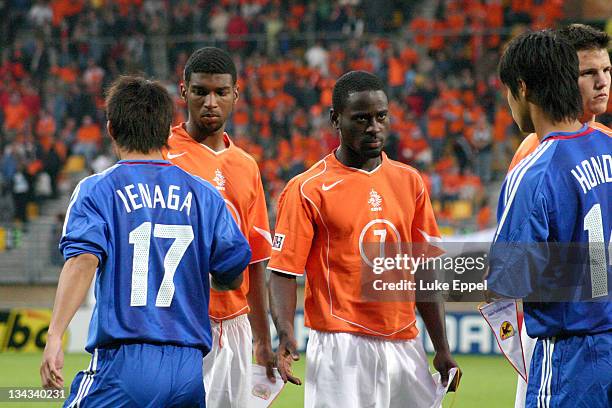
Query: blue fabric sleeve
(85, 230)
(230, 251)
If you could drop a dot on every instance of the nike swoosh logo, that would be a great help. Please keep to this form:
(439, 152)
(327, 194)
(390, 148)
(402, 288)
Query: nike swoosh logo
(325, 188)
(174, 156)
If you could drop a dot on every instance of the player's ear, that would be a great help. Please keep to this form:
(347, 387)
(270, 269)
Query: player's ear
(109, 128)
(183, 91)
(334, 119)
(522, 89)
(236, 93)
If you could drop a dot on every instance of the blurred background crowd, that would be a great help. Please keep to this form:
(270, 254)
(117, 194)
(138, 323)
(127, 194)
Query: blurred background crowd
(438, 58)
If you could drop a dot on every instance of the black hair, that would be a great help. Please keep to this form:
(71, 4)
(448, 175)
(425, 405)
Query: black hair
(210, 60)
(548, 65)
(140, 113)
(351, 82)
(584, 37)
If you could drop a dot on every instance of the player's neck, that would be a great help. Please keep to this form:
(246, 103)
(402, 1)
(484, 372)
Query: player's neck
(544, 125)
(559, 127)
(346, 157)
(587, 118)
(215, 140)
(126, 155)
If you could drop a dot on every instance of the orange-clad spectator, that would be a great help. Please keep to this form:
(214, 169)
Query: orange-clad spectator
(437, 40)
(16, 114)
(69, 74)
(483, 218)
(436, 129)
(419, 26)
(396, 75)
(46, 127)
(88, 138)
(456, 22)
(65, 8)
(409, 56)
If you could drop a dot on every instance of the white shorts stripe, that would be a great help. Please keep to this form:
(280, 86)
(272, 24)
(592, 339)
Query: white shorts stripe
(543, 373)
(551, 349)
(82, 384)
(86, 382)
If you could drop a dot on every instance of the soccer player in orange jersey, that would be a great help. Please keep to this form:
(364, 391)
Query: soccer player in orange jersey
(594, 83)
(359, 353)
(201, 146)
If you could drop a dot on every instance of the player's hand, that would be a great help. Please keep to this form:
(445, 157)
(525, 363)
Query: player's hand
(285, 356)
(52, 364)
(265, 357)
(443, 362)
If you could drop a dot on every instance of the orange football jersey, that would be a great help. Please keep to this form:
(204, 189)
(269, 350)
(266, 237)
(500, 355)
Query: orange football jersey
(531, 142)
(236, 176)
(326, 217)
(527, 146)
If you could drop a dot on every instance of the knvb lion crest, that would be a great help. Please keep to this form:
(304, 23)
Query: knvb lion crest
(506, 331)
(219, 180)
(375, 201)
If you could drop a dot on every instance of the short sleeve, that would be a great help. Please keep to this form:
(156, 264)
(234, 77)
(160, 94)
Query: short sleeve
(230, 253)
(424, 225)
(259, 237)
(85, 229)
(519, 254)
(294, 232)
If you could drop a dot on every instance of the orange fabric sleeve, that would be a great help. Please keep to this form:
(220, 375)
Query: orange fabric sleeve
(294, 231)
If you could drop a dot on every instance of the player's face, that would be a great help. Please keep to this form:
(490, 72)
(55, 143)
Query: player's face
(364, 123)
(520, 112)
(210, 100)
(594, 80)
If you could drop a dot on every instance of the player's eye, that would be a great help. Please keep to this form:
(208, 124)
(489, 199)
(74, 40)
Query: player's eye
(382, 116)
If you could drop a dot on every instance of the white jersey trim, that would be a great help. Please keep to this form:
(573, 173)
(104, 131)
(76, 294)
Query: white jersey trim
(285, 272)
(259, 260)
(519, 178)
(230, 315)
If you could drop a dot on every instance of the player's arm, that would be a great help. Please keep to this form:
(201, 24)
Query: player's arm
(230, 251)
(293, 238)
(220, 286)
(283, 298)
(260, 241)
(425, 231)
(433, 314)
(258, 317)
(74, 282)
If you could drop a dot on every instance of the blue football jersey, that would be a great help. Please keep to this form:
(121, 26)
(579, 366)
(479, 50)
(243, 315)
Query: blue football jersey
(552, 245)
(158, 232)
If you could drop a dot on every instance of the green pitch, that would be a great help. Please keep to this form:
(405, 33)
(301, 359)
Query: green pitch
(487, 381)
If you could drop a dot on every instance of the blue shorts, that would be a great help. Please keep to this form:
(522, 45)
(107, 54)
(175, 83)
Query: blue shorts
(573, 371)
(140, 375)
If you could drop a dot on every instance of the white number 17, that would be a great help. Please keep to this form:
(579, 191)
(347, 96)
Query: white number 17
(593, 224)
(140, 237)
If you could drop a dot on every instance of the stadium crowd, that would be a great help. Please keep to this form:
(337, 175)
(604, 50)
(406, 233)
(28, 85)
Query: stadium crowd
(448, 117)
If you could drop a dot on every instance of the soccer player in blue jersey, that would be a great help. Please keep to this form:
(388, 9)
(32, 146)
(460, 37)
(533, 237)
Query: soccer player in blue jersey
(156, 238)
(559, 195)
